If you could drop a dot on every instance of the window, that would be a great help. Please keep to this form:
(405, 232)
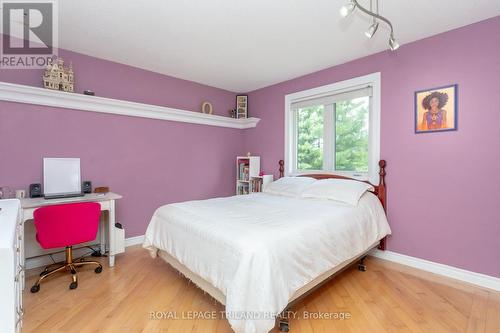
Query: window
(335, 129)
(310, 138)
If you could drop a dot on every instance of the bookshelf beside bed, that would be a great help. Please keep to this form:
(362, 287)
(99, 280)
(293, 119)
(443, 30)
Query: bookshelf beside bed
(248, 175)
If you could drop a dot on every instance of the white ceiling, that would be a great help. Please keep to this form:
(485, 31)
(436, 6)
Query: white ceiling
(243, 45)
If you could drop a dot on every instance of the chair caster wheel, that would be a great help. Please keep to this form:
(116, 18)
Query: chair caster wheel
(98, 270)
(35, 288)
(73, 285)
(362, 268)
(284, 327)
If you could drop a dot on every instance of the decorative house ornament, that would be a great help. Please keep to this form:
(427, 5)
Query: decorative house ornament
(206, 107)
(58, 77)
(241, 106)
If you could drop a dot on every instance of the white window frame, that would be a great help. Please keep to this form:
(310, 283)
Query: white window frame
(372, 80)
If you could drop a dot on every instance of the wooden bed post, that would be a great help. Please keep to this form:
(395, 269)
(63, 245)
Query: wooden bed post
(382, 195)
(282, 168)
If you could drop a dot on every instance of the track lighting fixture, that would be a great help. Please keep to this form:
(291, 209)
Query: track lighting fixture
(347, 9)
(353, 4)
(393, 44)
(371, 30)
(374, 26)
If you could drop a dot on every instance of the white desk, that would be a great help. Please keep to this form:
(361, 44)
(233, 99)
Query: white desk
(107, 202)
(11, 267)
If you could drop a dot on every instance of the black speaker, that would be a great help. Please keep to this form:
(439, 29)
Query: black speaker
(87, 187)
(35, 190)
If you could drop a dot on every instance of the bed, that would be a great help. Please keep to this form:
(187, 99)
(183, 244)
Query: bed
(257, 254)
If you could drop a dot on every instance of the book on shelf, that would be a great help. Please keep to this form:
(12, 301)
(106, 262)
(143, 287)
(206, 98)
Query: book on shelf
(244, 188)
(256, 184)
(244, 171)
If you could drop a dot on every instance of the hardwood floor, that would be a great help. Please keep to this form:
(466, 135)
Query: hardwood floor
(386, 298)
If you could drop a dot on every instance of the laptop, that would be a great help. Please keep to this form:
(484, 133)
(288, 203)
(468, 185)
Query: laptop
(61, 178)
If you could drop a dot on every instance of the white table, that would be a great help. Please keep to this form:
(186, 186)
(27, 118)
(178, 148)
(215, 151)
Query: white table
(107, 202)
(11, 267)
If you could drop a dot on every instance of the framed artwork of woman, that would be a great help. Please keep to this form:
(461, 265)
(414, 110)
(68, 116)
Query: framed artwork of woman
(436, 109)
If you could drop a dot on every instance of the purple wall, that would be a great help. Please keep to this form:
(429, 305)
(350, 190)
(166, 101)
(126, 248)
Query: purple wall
(443, 188)
(150, 162)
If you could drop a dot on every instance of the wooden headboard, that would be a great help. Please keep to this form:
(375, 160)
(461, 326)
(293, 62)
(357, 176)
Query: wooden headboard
(380, 189)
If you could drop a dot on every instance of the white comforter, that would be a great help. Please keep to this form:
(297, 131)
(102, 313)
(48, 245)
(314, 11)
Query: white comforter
(259, 249)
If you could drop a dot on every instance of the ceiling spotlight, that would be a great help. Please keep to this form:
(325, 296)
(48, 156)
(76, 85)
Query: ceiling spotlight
(393, 44)
(371, 30)
(347, 9)
(376, 17)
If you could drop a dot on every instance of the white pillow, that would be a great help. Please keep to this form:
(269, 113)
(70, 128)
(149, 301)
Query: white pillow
(289, 186)
(344, 190)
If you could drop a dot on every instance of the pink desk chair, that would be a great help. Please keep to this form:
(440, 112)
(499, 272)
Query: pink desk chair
(65, 226)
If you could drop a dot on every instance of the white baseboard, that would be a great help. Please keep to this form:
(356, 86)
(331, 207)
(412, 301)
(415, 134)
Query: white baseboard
(478, 279)
(134, 240)
(45, 260)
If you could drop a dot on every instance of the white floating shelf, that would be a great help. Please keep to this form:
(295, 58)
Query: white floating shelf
(39, 96)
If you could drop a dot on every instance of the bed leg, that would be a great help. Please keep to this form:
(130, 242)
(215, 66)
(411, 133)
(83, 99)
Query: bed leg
(361, 265)
(284, 321)
(382, 244)
(284, 325)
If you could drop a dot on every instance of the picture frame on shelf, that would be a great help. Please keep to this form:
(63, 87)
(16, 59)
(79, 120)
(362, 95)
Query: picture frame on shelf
(241, 106)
